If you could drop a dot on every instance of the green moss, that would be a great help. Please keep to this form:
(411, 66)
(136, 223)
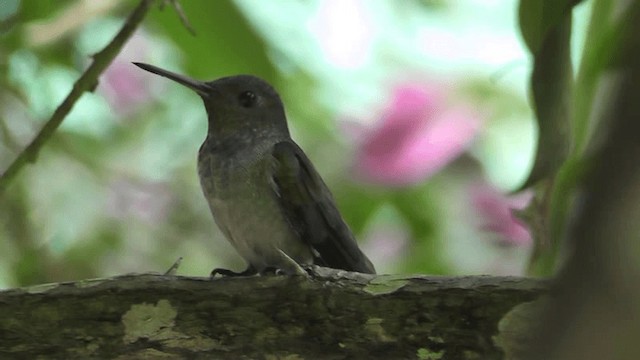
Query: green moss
(154, 322)
(374, 327)
(87, 283)
(283, 357)
(386, 284)
(266, 336)
(38, 289)
(436, 339)
(194, 343)
(426, 354)
(472, 355)
(46, 314)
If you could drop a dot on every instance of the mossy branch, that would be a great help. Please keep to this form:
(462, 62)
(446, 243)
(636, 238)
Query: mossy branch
(332, 315)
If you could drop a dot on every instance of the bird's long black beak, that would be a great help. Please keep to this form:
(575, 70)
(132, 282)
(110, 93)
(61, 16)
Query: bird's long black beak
(198, 86)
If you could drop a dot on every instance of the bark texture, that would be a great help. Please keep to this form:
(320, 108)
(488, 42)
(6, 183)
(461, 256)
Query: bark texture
(331, 315)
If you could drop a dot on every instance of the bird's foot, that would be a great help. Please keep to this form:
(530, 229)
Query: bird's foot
(275, 271)
(226, 272)
(271, 271)
(311, 269)
(304, 270)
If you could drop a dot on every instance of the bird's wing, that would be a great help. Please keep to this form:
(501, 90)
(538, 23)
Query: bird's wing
(311, 210)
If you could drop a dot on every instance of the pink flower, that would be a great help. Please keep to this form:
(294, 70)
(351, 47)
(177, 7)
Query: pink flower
(145, 200)
(385, 244)
(419, 133)
(495, 210)
(124, 86)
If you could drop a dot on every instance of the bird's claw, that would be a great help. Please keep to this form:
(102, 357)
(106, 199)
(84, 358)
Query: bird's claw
(229, 273)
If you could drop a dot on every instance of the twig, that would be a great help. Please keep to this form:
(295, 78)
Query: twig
(174, 268)
(183, 17)
(86, 82)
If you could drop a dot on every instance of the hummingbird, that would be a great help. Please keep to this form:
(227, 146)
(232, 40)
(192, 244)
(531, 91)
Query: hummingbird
(264, 193)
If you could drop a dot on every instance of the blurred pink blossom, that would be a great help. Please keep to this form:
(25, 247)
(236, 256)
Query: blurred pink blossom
(384, 245)
(418, 134)
(122, 84)
(145, 200)
(495, 210)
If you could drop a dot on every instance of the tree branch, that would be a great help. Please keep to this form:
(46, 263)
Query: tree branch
(332, 315)
(86, 82)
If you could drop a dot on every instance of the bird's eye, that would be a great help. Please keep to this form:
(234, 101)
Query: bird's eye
(247, 99)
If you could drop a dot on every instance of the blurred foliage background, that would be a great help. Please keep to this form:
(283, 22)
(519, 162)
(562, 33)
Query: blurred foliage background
(415, 113)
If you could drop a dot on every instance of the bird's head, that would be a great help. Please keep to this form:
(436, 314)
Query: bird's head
(237, 106)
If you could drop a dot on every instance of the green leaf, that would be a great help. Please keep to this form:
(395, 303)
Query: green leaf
(610, 43)
(551, 88)
(531, 23)
(546, 28)
(538, 17)
(594, 57)
(610, 47)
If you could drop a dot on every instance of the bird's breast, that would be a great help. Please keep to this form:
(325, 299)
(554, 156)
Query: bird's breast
(244, 207)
